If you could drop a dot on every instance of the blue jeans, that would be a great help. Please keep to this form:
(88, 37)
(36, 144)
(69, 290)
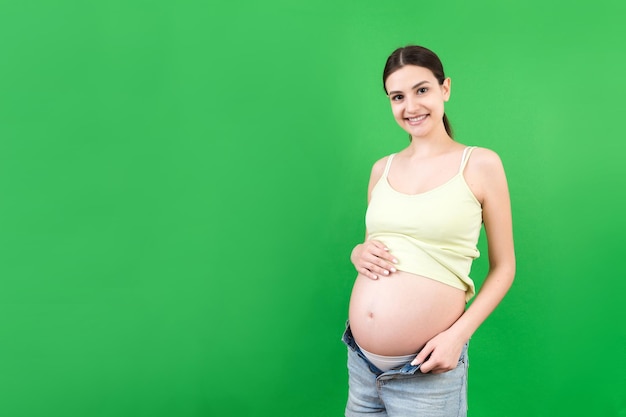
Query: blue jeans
(404, 391)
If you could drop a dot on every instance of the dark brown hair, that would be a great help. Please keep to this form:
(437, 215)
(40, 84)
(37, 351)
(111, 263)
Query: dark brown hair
(421, 57)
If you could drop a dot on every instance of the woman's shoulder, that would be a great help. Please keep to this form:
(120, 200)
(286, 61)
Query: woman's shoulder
(379, 165)
(484, 172)
(378, 169)
(484, 159)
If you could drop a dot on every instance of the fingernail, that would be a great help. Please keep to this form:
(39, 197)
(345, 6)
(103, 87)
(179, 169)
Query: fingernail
(375, 277)
(395, 261)
(386, 272)
(393, 269)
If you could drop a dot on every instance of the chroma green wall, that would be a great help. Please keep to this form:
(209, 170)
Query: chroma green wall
(181, 184)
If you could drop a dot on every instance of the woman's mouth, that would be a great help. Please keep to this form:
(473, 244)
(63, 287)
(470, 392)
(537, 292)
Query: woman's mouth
(416, 119)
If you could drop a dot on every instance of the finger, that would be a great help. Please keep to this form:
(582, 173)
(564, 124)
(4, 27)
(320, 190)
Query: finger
(382, 253)
(379, 265)
(368, 273)
(369, 268)
(440, 369)
(440, 366)
(387, 257)
(423, 356)
(377, 260)
(375, 268)
(384, 263)
(429, 365)
(383, 271)
(424, 368)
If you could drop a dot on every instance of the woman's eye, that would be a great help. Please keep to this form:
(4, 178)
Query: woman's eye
(397, 97)
(422, 90)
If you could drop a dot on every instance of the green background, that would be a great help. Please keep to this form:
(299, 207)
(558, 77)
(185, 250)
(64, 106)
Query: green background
(181, 184)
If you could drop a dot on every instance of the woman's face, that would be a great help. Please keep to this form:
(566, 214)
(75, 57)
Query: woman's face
(417, 100)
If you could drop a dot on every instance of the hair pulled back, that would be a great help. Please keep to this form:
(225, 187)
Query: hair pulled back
(421, 57)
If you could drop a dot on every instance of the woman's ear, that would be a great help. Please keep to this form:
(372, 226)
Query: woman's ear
(445, 88)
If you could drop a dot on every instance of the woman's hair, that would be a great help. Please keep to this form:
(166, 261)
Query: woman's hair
(421, 57)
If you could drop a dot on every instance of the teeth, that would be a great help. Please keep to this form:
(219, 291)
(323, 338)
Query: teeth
(417, 119)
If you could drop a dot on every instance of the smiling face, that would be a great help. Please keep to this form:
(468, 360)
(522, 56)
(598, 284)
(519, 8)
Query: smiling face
(417, 100)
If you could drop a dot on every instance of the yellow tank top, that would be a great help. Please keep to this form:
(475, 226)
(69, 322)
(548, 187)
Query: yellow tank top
(432, 234)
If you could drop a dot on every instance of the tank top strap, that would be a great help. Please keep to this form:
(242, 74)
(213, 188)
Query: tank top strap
(389, 159)
(466, 155)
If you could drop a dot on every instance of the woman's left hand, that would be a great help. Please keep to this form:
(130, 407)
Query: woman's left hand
(440, 354)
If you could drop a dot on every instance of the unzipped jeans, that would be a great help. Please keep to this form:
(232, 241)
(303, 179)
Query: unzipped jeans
(403, 391)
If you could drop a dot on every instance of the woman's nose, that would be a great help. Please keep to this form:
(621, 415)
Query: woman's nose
(412, 104)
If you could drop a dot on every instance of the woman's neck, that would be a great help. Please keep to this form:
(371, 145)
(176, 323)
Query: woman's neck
(430, 145)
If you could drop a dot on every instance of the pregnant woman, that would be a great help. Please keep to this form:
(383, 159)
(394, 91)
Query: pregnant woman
(408, 322)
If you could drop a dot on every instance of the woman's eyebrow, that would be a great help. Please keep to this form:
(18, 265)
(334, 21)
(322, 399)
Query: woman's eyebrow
(412, 88)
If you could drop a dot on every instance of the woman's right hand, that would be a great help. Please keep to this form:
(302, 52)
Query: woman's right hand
(372, 259)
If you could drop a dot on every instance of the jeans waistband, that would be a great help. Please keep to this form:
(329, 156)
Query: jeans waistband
(348, 339)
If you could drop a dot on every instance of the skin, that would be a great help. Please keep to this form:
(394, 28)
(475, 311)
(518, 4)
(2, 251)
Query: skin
(417, 103)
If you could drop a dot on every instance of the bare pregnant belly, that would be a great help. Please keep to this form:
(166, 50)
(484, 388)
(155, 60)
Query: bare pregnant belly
(398, 314)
